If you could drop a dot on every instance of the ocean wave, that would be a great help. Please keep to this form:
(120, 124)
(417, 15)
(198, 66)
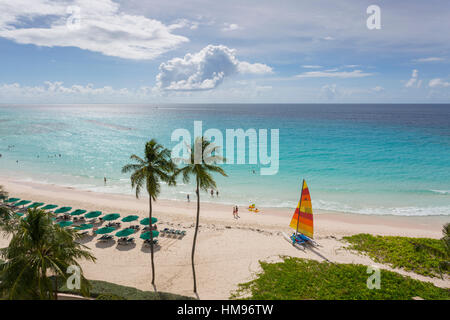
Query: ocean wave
(411, 211)
(440, 191)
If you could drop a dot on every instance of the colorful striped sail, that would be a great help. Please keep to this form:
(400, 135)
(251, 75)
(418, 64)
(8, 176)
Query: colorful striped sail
(303, 215)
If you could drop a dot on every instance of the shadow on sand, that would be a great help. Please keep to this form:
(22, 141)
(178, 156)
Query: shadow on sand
(126, 247)
(105, 244)
(146, 249)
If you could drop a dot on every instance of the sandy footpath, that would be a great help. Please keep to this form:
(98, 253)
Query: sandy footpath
(228, 249)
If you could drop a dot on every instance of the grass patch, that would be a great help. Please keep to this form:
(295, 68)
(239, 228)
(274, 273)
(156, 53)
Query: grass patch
(298, 279)
(428, 257)
(102, 290)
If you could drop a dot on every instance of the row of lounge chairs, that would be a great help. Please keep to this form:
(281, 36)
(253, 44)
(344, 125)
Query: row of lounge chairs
(125, 241)
(105, 237)
(173, 232)
(148, 242)
(114, 224)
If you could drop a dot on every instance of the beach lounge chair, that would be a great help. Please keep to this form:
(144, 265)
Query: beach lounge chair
(183, 233)
(148, 242)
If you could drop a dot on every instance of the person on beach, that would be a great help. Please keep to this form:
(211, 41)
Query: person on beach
(212, 193)
(104, 179)
(237, 211)
(187, 196)
(217, 193)
(234, 212)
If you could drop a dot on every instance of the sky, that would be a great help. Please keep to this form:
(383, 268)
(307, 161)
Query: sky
(234, 51)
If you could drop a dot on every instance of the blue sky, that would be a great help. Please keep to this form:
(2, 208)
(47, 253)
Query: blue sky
(111, 51)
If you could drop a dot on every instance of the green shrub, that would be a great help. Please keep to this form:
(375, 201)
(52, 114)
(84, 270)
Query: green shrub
(298, 279)
(428, 257)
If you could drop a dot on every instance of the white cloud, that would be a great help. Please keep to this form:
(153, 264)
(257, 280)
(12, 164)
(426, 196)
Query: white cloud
(205, 69)
(378, 89)
(56, 91)
(332, 73)
(438, 83)
(329, 91)
(184, 23)
(102, 28)
(309, 66)
(414, 81)
(430, 59)
(230, 27)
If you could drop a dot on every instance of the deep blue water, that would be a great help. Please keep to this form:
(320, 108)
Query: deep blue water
(371, 159)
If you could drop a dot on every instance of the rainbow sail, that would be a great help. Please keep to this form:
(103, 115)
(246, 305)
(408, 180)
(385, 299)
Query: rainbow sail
(302, 220)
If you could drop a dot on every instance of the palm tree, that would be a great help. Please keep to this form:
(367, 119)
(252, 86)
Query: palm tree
(200, 167)
(39, 247)
(3, 193)
(156, 167)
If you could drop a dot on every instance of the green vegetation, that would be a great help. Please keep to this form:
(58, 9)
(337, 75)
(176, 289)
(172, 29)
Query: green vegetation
(3, 194)
(149, 172)
(201, 169)
(38, 247)
(296, 279)
(428, 257)
(102, 290)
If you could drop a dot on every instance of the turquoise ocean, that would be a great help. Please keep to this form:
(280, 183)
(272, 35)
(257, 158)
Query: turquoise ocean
(364, 159)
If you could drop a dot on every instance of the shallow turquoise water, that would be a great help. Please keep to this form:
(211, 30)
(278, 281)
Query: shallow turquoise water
(368, 159)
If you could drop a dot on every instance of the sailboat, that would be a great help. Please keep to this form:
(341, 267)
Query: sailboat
(302, 220)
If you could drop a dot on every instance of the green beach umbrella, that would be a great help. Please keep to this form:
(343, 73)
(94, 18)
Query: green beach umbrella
(77, 212)
(65, 223)
(19, 214)
(63, 210)
(145, 221)
(105, 230)
(84, 226)
(146, 235)
(49, 207)
(12, 200)
(124, 232)
(35, 205)
(130, 218)
(111, 216)
(93, 214)
(22, 203)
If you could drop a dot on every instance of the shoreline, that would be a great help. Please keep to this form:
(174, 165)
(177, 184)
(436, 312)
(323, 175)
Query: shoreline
(268, 217)
(228, 250)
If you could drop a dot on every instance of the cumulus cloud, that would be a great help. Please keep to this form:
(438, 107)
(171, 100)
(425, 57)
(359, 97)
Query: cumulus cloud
(438, 83)
(97, 26)
(334, 73)
(230, 27)
(414, 81)
(329, 91)
(56, 91)
(377, 89)
(205, 69)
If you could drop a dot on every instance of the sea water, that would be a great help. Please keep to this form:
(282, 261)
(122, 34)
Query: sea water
(366, 159)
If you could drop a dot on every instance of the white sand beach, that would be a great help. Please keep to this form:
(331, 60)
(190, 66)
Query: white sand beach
(228, 249)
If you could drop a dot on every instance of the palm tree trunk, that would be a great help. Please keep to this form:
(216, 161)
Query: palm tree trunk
(151, 240)
(195, 237)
